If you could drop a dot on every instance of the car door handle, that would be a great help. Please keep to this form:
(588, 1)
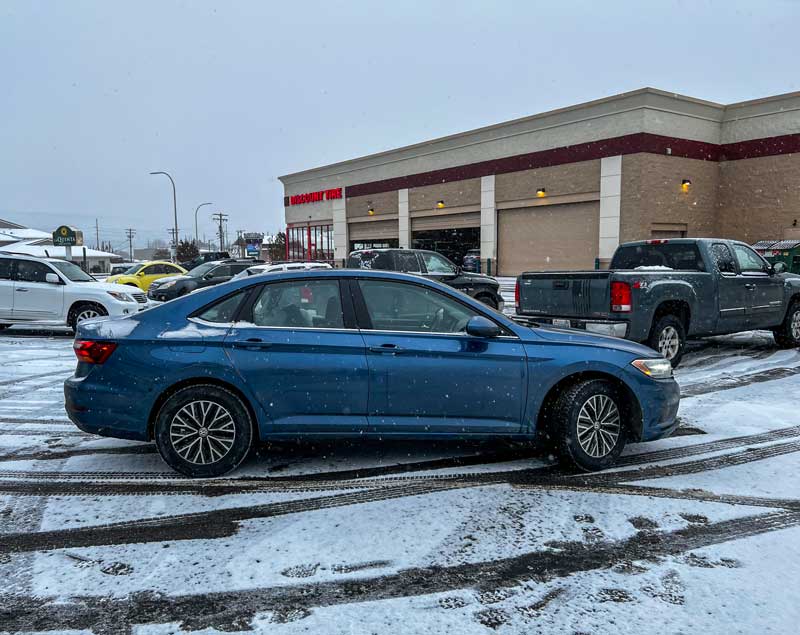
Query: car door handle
(387, 349)
(22, 290)
(750, 286)
(252, 344)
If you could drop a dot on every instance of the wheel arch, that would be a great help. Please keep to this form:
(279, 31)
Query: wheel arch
(680, 308)
(632, 410)
(200, 381)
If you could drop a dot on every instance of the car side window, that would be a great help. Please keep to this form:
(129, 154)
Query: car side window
(396, 306)
(223, 271)
(30, 271)
(153, 270)
(723, 258)
(239, 268)
(299, 303)
(434, 263)
(6, 267)
(408, 262)
(224, 310)
(749, 260)
(171, 269)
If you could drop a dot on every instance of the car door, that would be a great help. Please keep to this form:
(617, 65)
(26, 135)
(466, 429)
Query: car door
(732, 304)
(6, 287)
(34, 297)
(298, 349)
(426, 374)
(218, 275)
(150, 273)
(763, 289)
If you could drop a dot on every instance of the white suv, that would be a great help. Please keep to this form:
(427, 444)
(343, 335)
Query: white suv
(56, 292)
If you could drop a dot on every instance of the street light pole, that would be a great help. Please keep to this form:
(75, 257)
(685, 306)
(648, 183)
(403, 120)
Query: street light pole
(197, 209)
(174, 211)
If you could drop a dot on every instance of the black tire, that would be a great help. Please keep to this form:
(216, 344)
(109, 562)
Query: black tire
(666, 330)
(172, 424)
(487, 300)
(3, 327)
(572, 442)
(81, 309)
(787, 335)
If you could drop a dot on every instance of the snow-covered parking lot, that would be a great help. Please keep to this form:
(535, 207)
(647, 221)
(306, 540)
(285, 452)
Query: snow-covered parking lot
(699, 533)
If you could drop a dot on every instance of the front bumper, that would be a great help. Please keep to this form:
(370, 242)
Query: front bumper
(659, 400)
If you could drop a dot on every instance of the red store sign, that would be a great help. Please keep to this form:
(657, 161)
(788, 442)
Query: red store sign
(314, 197)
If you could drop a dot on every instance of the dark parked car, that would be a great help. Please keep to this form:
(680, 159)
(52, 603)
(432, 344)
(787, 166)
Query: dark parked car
(431, 265)
(207, 256)
(662, 291)
(351, 353)
(206, 275)
(472, 261)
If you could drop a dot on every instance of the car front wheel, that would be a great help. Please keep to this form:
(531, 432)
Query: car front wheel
(668, 337)
(203, 431)
(787, 335)
(84, 311)
(591, 431)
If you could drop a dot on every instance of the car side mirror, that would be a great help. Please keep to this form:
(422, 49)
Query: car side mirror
(458, 270)
(479, 326)
(52, 278)
(778, 267)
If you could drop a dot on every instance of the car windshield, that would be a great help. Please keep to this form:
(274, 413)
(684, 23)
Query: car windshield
(201, 270)
(132, 270)
(72, 271)
(370, 260)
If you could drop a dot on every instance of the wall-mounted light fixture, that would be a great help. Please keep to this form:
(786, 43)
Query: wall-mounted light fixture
(439, 204)
(541, 192)
(685, 185)
(371, 210)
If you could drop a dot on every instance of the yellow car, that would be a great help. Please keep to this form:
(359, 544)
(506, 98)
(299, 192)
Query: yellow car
(143, 274)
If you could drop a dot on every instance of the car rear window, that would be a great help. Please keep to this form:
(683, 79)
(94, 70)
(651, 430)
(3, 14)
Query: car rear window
(677, 256)
(370, 260)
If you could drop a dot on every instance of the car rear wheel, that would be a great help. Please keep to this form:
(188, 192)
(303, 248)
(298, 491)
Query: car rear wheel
(668, 337)
(591, 430)
(787, 335)
(84, 311)
(487, 300)
(203, 431)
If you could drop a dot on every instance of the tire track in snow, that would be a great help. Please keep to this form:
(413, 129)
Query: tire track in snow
(235, 610)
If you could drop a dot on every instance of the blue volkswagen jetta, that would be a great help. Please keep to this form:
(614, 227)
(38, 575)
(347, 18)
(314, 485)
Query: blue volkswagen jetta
(341, 353)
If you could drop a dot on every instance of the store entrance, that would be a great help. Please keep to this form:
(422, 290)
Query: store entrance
(453, 243)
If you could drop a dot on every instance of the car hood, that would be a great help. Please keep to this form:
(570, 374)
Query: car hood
(160, 281)
(582, 338)
(479, 277)
(106, 286)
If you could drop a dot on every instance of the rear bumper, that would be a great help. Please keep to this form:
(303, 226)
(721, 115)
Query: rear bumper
(615, 328)
(100, 409)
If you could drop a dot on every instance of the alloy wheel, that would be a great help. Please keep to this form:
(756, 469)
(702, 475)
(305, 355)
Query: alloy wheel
(202, 432)
(599, 426)
(795, 325)
(669, 342)
(87, 314)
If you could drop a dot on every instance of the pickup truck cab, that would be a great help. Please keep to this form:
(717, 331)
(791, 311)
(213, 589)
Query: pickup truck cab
(431, 265)
(662, 291)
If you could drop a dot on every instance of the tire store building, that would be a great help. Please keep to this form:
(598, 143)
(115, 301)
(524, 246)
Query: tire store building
(560, 190)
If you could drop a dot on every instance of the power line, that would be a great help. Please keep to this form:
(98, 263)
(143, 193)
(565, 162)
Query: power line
(130, 232)
(221, 218)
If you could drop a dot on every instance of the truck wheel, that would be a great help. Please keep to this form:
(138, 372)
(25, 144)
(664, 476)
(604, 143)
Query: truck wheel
(203, 431)
(591, 432)
(668, 337)
(84, 311)
(787, 335)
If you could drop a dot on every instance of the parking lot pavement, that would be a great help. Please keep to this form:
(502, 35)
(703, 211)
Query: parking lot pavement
(699, 532)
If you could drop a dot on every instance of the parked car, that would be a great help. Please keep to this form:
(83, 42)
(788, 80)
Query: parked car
(431, 265)
(54, 292)
(281, 266)
(143, 274)
(353, 353)
(206, 256)
(206, 275)
(472, 261)
(121, 267)
(663, 291)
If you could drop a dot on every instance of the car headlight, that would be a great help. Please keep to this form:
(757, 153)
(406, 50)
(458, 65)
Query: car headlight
(655, 368)
(122, 297)
(166, 285)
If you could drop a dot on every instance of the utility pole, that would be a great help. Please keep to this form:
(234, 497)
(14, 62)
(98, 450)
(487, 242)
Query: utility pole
(197, 209)
(174, 212)
(221, 218)
(96, 235)
(174, 235)
(130, 233)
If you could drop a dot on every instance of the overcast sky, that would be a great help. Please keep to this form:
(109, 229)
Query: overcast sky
(229, 95)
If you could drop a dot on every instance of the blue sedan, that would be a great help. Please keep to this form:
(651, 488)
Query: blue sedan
(341, 353)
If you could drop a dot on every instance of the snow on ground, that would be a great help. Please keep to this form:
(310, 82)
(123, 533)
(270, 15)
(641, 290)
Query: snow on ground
(699, 532)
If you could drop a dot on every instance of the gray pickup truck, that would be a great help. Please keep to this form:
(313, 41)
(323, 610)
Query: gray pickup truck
(662, 291)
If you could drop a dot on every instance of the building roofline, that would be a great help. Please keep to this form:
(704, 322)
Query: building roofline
(640, 92)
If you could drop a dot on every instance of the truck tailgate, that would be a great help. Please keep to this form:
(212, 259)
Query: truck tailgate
(565, 293)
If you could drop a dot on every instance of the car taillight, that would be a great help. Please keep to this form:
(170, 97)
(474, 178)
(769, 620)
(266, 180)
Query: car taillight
(621, 297)
(516, 294)
(93, 352)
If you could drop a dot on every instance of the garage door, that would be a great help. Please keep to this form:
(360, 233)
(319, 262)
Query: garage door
(373, 230)
(549, 237)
